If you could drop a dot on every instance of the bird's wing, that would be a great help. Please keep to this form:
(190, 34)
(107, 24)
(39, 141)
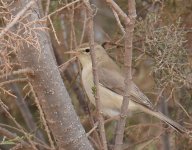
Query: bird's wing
(111, 77)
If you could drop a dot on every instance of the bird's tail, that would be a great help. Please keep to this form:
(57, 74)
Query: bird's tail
(170, 122)
(167, 120)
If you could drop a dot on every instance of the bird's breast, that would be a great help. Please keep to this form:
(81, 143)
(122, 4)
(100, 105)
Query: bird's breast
(87, 80)
(110, 101)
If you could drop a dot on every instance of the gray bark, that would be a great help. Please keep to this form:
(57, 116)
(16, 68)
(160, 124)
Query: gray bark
(48, 85)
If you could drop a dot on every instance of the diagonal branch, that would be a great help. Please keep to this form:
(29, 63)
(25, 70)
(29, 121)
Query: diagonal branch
(48, 85)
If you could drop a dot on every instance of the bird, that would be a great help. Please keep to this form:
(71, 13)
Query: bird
(111, 86)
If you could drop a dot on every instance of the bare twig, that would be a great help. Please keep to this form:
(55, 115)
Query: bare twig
(42, 117)
(5, 109)
(7, 133)
(13, 81)
(10, 135)
(14, 137)
(25, 111)
(60, 9)
(65, 65)
(47, 7)
(54, 32)
(8, 92)
(20, 71)
(95, 74)
(95, 126)
(118, 10)
(72, 29)
(84, 26)
(94, 142)
(119, 22)
(129, 27)
(17, 17)
(182, 107)
(106, 121)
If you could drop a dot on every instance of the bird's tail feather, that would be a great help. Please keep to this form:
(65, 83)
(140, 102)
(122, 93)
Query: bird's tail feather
(167, 120)
(170, 122)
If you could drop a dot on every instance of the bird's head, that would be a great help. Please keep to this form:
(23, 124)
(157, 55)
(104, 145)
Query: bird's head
(83, 53)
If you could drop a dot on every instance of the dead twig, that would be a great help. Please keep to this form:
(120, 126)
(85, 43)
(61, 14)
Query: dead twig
(13, 81)
(95, 74)
(42, 117)
(18, 72)
(5, 109)
(128, 40)
(17, 17)
(65, 65)
(47, 7)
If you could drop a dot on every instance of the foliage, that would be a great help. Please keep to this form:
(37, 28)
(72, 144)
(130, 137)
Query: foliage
(165, 44)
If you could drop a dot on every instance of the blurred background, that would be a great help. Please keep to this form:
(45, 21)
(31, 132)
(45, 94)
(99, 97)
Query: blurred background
(162, 69)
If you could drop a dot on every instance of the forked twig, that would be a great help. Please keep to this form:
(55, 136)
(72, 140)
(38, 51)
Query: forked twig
(17, 17)
(128, 39)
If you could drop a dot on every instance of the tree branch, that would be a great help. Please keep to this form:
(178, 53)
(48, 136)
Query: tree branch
(17, 17)
(129, 28)
(48, 85)
(95, 75)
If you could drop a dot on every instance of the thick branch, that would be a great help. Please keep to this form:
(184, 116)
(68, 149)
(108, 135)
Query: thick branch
(48, 85)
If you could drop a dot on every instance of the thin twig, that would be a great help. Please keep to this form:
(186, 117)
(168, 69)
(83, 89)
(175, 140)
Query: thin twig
(11, 135)
(118, 10)
(95, 126)
(73, 35)
(84, 26)
(26, 113)
(106, 121)
(5, 109)
(20, 71)
(17, 17)
(13, 81)
(42, 117)
(94, 142)
(129, 27)
(95, 74)
(8, 92)
(54, 32)
(95, 132)
(7, 133)
(60, 9)
(47, 7)
(119, 22)
(65, 65)
(183, 109)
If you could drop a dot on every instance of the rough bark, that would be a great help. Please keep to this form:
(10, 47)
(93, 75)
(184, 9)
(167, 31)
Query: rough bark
(48, 85)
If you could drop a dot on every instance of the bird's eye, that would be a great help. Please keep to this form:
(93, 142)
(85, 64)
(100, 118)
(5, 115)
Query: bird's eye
(87, 50)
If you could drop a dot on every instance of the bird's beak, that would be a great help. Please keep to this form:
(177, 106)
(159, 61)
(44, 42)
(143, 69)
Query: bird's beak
(74, 53)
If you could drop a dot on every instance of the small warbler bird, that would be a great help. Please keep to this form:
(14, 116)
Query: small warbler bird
(111, 86)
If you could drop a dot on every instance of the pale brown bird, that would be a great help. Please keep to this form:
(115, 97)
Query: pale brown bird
(111, 86)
